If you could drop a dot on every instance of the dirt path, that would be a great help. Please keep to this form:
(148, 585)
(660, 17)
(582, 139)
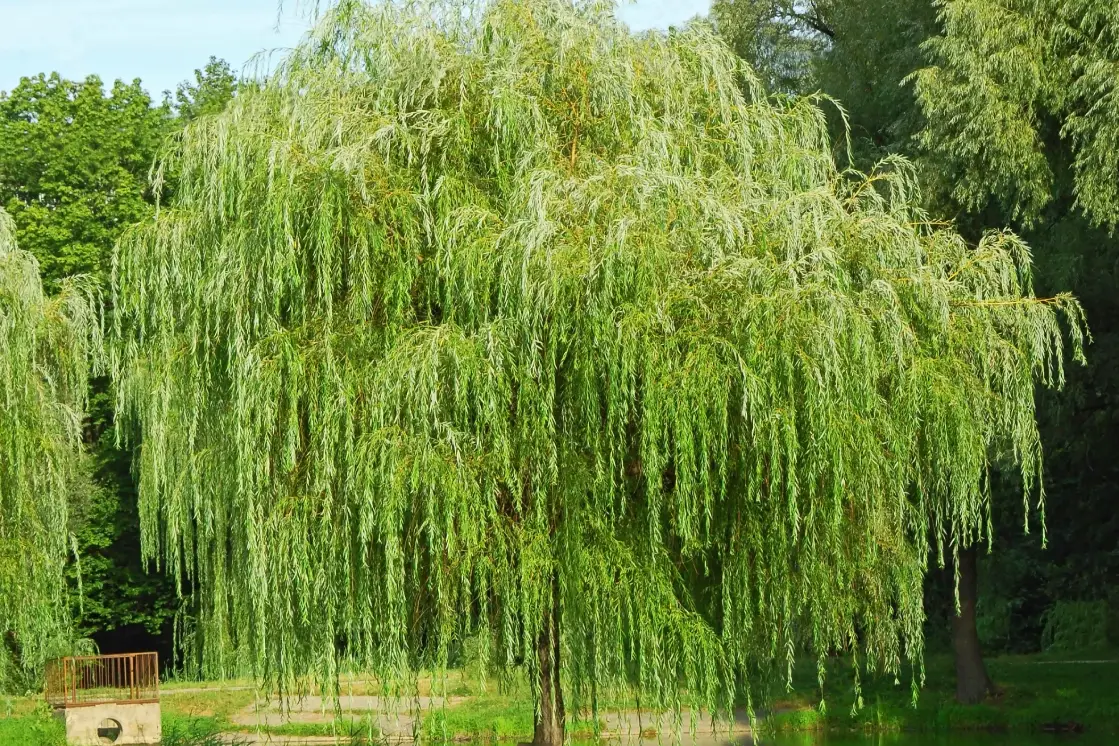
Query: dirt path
(396, 721)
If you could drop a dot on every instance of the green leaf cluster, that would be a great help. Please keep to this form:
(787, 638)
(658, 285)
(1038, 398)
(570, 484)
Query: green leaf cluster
(73, 168)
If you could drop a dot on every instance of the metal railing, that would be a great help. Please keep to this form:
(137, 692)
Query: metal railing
(87, 680)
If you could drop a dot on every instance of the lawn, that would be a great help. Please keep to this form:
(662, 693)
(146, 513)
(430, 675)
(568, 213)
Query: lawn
(1036, 693)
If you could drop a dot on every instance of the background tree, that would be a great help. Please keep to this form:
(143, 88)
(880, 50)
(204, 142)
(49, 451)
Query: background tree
(74, 168)
(49, 347)
(859, 52)
(1037, 78)
(511, 324)
(781, 39)
(867, 63)
(74, 164)
(213, 87)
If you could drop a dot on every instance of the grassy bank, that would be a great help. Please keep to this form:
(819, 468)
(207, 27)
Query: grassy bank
(1035, 693)
(31, 730)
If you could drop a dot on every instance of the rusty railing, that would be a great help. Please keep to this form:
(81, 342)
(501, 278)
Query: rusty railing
(82, 681)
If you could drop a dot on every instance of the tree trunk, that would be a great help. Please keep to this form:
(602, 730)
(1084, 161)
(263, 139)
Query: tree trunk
(972, 682)
(549, 726)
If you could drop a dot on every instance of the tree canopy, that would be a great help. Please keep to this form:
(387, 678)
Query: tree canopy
(214, 85)
(1009, 84)
(48, 346)
(74, 166)
(504, 321)
(869, 64)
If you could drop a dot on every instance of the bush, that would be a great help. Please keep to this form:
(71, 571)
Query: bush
(1075, 625)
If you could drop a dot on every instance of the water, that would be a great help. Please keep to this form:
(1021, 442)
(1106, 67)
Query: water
(891, 739)
(794, 739)
(943, 739)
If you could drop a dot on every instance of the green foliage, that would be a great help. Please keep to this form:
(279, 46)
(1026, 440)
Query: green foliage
(858, 52)
(48, 348)
(213, 87)
(467, 320)
(73, 168)
(1075, 626)
(74, 162)
(1020, 104)
(38, 728)
(1011, 82)
(117, 591)
(780, 39)
(867, 65)
(876, 46)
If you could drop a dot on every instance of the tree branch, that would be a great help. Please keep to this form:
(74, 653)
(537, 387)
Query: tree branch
(815, 23)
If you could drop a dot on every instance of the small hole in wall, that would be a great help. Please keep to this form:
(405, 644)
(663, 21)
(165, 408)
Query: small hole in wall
(108, 731)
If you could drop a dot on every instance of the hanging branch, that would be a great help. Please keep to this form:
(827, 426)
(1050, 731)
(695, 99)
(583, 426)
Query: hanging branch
(48, 348)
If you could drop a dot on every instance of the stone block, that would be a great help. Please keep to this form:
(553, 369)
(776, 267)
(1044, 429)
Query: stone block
(139, 724)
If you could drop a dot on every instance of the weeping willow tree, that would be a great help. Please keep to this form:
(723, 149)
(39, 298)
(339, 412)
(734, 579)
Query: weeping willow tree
(500, 322)
(48, 346)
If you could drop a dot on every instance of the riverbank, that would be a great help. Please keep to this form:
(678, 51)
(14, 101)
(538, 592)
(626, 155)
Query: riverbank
(1035, 694)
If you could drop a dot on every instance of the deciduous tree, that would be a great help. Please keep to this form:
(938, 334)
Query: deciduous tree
(506, 322)
(74, 163)
(1011, 83)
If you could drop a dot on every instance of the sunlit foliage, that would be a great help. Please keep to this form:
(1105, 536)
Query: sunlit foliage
(472, 318)
(47, 348)
(1014, 80)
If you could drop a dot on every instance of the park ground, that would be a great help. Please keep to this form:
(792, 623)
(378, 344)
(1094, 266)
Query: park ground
(1036, 693)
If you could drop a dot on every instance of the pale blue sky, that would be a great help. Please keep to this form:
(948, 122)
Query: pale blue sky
(163, 41)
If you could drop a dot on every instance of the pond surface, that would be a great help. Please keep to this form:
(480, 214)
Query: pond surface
(795, 739)
(890, 739)
(942, 739)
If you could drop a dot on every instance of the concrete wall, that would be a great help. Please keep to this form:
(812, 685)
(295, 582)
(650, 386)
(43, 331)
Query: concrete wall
(140, 724)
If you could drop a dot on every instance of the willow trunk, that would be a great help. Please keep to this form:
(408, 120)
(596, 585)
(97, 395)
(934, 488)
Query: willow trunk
(550, 715)
(972, 681)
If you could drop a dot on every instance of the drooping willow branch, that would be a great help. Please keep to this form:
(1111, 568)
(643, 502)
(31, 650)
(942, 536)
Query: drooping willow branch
(48, 347)
(464, 302)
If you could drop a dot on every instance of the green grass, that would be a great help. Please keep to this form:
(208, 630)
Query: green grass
(220, 702)
(185, 730)
(356, 729)
(486, 716)
(35, 729)
(491, 717)
(1035, 692)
